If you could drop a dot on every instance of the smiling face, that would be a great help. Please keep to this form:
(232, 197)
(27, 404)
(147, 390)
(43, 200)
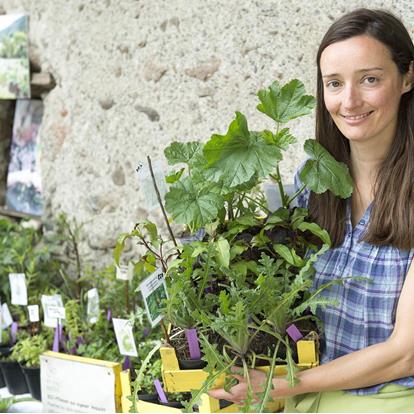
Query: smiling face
(362, 89)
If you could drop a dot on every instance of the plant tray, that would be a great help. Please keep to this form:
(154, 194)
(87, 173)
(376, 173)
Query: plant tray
(178, 380)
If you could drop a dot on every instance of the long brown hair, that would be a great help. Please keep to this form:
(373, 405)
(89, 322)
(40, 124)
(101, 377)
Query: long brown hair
(392, 214)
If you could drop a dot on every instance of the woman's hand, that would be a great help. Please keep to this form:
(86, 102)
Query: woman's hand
(238, 393)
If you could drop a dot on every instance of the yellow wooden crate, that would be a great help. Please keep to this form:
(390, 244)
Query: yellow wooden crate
(177, 380)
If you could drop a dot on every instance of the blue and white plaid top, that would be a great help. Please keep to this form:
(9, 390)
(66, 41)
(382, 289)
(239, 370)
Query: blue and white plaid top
(366, 311)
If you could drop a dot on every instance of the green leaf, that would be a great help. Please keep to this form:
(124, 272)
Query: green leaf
(323, 172)
(282, 139)
(190, 205)
(182, 152)
(119, 247)
(286, 103)
(240, 154)
(174, 177)
(291, 367)
(281, 215)
(289, 255)
(223, 252)
(316, 230)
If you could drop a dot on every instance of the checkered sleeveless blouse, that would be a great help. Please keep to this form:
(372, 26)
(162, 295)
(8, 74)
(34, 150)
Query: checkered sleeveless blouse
(366, 311)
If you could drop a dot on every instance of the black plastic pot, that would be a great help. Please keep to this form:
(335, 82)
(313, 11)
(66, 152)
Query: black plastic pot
(152, 398)
(191, 363)
(13, 377)
(32, 375)
(5, 351)
(2, 382)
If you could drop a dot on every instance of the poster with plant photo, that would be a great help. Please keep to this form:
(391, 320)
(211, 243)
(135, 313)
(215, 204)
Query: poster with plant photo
(14, 57)
(24, 190)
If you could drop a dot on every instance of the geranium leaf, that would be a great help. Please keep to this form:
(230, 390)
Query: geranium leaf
(323, 172)
(240, 154)
(186, 152)
(189, 204)
(286, 103)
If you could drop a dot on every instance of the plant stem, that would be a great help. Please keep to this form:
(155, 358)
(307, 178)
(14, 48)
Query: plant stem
(126, 291)
(78, 263)
(160, 203)
(164, 329)
(297, 193)
(265, 209)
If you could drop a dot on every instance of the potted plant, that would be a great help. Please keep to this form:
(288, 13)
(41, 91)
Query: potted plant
(27, 353)
(11, 370)
(245, 282)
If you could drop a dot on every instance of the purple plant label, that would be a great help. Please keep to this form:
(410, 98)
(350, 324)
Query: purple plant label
(160, 391)
(294, 333)
(55, 347)
(193, 345)
(60, 330)
(126, 364)
(13, 332)
(109, 315)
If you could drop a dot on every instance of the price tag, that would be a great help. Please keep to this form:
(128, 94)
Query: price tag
(18, 288)
(47, 301)
(33, 313)
(154, 291)
(125, 337)
(6, 317)
(93, 305)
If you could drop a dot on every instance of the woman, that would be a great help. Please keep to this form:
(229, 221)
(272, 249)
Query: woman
(365, 118)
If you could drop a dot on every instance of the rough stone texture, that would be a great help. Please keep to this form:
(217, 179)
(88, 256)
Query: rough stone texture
(131, 75)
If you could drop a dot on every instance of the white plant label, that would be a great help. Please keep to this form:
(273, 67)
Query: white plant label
(54, 301)
(18, 288)
(125, 337)
(154, 291)
(146, 185)
(93, 305)
(56, 312)
(33, 313)
(122, 272)
(6, 317)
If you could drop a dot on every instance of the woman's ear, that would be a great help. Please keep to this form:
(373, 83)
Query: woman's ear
(408, 80)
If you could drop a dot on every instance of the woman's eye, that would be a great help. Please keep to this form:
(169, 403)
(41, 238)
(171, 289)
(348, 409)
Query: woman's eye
(333, 84)
(370, 80)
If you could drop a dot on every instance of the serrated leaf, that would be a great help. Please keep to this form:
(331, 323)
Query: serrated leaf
(282, 139)
(291, 367)
(323, 172)
(286, 103)
(223, 252)
(240, 154)
(192, 205)
(182, 152)
(289, 255)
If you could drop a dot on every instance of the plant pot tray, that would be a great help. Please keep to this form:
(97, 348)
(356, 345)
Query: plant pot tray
(177, 380)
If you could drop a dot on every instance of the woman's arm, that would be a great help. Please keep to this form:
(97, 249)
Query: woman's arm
(373, 365)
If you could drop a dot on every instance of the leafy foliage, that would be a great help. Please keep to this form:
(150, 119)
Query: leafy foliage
(250, 275)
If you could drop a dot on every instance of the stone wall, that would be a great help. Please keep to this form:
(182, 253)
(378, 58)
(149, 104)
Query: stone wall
(134, 74)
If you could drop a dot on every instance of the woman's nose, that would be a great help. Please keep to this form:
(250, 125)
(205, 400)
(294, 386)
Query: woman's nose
(351, 98)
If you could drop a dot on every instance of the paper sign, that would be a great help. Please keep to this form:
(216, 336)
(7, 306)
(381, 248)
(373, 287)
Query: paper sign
(73, 384)
(125, 337)
(6, 317)
(47, 301)
(93, 305)
(33, 313)
(146, 185)
(18, 288)
(154, 291)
